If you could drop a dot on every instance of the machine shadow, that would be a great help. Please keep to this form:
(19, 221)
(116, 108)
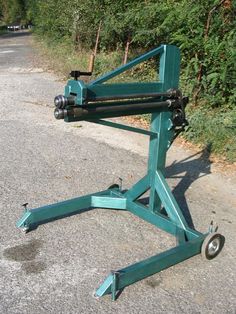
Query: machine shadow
(187, 170)
(34, 226)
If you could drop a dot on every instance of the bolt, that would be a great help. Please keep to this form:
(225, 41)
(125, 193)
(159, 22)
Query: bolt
(25, 206)
(120, 183)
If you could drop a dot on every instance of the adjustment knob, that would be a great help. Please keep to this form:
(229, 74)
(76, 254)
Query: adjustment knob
(76, 73)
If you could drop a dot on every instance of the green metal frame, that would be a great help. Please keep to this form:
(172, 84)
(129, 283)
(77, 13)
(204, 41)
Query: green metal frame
(161, 135)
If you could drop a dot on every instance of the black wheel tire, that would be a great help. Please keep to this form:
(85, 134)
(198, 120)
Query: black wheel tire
(114, 186)
(212, 245)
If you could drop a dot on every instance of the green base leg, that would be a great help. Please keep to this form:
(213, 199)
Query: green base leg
(39, 215)
(190, 241)
(138, 271)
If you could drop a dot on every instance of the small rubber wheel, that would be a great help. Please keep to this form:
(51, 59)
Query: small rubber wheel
(114, 186)
(212, 245)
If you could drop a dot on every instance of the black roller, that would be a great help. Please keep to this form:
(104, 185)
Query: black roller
(93, 111)
(61, 101)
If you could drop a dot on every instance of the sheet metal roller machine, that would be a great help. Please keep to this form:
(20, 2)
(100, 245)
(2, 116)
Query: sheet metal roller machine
(95, 101)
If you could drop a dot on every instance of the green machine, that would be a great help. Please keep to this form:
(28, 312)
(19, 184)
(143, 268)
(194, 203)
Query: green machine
(99, 99)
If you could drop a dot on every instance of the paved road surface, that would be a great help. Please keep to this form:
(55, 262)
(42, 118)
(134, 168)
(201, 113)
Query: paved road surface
(57, 268)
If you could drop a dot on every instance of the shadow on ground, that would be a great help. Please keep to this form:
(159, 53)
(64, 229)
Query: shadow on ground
(189, 170)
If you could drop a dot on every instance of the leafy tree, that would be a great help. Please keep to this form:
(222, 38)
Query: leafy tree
(204, 30)
(13, 11)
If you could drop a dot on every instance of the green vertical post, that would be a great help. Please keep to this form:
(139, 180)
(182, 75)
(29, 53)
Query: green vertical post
(161, 121)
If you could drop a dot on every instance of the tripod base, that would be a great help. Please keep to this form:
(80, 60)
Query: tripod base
(190, 241)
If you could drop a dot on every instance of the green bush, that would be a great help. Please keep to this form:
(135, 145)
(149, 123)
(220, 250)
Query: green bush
(215, 127)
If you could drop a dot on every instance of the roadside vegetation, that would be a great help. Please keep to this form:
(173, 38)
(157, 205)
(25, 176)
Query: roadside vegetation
(116, 31)
(3, 28)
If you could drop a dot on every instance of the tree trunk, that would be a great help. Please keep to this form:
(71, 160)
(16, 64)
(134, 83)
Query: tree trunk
(126, 50)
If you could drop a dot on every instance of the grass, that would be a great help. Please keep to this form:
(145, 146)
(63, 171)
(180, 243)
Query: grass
(61, 56)
(213, 127)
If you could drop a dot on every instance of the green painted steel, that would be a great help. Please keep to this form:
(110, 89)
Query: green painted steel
(138, 271)
(108, 202)
(54, 211)
(162, 209)
(129, 65)
(97, 91)
(142, 186)
(79, 88)
(123, 127)
(168, 201)
(160, 122)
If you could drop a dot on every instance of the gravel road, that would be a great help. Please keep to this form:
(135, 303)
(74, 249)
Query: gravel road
(57, 267)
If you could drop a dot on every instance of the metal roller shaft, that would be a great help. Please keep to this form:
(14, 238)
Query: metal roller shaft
(61, 101)
(92, 111)
(168, 94)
